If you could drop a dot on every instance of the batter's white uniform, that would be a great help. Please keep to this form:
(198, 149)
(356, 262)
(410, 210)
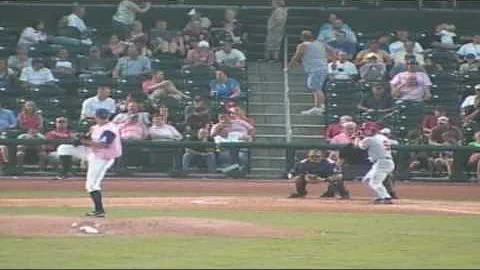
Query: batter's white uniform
(99, 159)
(379, 149)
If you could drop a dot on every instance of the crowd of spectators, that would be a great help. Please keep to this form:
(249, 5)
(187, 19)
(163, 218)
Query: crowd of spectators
(134, 56)
(398, 69)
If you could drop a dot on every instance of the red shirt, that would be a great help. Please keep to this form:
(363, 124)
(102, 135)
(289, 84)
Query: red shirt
(57, 134)
(333, 130)
(30, 121)
(146, 85)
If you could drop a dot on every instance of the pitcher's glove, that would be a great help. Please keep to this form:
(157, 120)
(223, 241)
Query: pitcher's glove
(81, 137)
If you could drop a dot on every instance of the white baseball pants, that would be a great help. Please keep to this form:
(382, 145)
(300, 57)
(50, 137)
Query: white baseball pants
(377, 174)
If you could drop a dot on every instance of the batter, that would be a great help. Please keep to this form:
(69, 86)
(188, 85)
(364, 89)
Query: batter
(379, 149)
(100, 151)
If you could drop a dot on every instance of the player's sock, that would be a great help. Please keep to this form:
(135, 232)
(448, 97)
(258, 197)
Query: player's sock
(301, 185)
(97, 201)
(66, 162)
(330, 192)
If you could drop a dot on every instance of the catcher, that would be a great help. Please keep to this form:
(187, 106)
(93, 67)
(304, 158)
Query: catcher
(315, 168)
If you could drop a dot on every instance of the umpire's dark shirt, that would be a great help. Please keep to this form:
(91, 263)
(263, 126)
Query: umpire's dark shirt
(323, 169)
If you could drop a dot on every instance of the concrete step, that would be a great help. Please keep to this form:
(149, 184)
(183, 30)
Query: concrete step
(298, 107)
(266, 97)
(270, 128)
(267, 77)
(308, 138)
(297, 119)
(266, 107)
(261, 86)
(268, 118)
(268, 162)
(257, 67)
(270, 138)
(303, 129)
(300, 97)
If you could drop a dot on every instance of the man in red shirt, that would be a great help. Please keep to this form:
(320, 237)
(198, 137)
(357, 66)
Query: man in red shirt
(61, 132)
(336, 128)
(430, 121)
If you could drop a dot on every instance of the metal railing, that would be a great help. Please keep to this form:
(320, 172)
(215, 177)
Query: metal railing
(286, 92)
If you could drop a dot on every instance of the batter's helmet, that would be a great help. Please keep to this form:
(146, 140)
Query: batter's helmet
(369, 128)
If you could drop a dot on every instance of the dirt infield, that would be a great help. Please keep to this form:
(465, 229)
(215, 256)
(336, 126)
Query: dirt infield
(444, 199)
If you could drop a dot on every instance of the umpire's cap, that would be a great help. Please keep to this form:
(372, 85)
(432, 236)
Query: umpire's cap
(102, 113)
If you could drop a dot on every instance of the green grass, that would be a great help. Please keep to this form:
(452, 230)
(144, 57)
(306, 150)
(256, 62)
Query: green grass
(340, 240)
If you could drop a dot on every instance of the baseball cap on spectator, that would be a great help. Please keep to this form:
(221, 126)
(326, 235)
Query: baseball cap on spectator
(442, 120)
(477, 87)
(203, 44)
(192, 12)
(102, 113)
(470, 56)
(371, 55)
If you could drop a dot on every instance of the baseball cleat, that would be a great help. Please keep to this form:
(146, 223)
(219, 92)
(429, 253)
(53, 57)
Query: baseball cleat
(95, 214)
(383, 201)
(296, 195)
(327, 195)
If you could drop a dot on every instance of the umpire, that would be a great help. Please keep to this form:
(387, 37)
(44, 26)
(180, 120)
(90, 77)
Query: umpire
(316, 167)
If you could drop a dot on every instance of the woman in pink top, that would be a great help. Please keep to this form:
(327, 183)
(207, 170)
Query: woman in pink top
(346, 136)
(411, 85)
(29, 117)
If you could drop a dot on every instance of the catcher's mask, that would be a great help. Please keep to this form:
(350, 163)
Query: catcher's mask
(315, 155)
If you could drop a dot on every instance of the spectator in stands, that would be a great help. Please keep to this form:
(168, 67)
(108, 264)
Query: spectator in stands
(230, 57)
(31, 150)
(411, 85)
(334, 129)
(37, 74)
(431, 120)
(61, 132)
(19, 61)
(378, 101)
(327, 31)
(470, 107)
(372, 49)
(373, 70)
(132, 65)
(223, 86)
(75, 20)
(232, 130)
(444, 36)
(205, 154)
(201, 55)
(158, 87)
(137, 33)
(275, 30)
(161, 131)
(32, 35)
(443, 125)
(63, 65)
(194, 34)
(409, 49)
(115, 46)
(471, 48)
(30, 117)
(402, 67)
(194, 16)
(474, 159)
(444, 160)
(95, 64)
(399, 45)
(233, 26)
(200, 118)
(419, 160)
(132, 128)
(341, 43)
(198, 102)
(347, 135)
(126, 14)
(6, 75)
(101, 100)
(3, 158)
(342, 68)
(7, 118)
(164, 40)
(471, 64)
(133, 108)
(384, 41)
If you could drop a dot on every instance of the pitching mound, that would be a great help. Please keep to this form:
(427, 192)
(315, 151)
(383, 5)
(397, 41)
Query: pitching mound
(67, 226)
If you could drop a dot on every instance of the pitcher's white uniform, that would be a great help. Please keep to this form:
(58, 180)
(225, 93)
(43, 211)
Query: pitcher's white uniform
(99, 159)
(379, 149)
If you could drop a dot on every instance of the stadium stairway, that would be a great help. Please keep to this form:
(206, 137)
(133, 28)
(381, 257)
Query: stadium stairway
(266, 106)
(305, 128)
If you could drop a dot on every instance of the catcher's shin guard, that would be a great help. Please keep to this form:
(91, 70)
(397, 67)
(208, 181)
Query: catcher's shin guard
(330, 192)
(301, 185)
(340, 186)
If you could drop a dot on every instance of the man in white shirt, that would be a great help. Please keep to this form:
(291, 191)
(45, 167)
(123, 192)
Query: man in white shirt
(399, 45)
(161, 131)
(101, 100)
(229, 56)
(36, 75)
(132, 109)
(75, 19)
(342, 69)
(471, 48)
